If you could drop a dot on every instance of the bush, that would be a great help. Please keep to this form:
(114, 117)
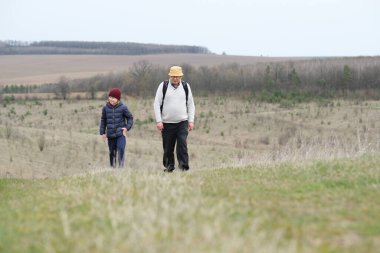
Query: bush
(41, 141)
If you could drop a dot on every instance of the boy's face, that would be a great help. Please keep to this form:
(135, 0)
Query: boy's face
(113, 101)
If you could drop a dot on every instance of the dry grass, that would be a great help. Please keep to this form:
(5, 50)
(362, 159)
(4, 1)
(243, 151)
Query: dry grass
(229, 133)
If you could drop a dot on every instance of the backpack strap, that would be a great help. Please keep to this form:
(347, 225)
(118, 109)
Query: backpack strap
(165, 88)
(184, 85)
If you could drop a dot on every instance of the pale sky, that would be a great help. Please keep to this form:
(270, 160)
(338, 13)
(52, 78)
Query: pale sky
(237, 27)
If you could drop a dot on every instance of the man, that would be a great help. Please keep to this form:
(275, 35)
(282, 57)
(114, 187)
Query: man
(174, 110)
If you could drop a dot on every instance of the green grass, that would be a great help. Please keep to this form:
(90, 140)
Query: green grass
(318, 207)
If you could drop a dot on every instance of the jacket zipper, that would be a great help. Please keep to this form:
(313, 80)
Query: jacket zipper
(113, 117)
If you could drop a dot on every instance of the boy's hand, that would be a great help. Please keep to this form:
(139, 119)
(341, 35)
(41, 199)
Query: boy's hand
(125, 130)
(104, 137)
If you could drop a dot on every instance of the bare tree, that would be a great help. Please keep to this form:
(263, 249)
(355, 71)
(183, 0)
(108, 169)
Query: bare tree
(140, 72)
(63, 88)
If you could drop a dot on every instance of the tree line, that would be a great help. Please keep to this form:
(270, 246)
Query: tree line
(88, 47)
(323, 77)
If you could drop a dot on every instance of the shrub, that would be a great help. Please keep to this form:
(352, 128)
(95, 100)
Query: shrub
(41, 141)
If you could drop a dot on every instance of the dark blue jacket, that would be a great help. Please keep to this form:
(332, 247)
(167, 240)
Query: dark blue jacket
(114, 119)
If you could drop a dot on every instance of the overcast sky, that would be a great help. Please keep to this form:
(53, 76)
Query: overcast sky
(237, 27)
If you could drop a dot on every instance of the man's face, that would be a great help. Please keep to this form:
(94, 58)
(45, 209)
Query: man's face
(175, 79)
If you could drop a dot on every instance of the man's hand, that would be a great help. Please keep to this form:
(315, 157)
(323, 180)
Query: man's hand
(191, 126)
(104, 137)
(160, 126)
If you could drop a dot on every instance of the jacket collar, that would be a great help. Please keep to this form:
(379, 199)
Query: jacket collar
(117, 105)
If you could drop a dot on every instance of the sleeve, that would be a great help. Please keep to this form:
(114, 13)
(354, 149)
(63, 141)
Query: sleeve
(128, 115)
(103, 122)
(190, 105)
(157, 103)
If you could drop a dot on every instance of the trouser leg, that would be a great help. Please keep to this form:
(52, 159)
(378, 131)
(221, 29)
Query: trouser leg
(182, 154)
(168, 143)
(112, 151)
(121, 150)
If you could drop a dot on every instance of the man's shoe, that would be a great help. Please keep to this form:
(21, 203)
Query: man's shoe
(169, 169)
(184, 168)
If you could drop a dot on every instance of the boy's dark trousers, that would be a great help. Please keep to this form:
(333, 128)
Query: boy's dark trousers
(171, 134)
(116, 148)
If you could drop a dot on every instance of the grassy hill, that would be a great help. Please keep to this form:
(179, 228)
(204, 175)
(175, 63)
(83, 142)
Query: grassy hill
(264, 178)
(316, 207)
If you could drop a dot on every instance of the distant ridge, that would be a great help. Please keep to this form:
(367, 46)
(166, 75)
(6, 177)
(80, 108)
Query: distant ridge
(12, 47)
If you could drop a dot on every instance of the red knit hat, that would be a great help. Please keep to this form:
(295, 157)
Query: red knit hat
(115, 92)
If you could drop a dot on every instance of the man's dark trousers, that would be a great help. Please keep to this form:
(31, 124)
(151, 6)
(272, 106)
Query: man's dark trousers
(172, 133)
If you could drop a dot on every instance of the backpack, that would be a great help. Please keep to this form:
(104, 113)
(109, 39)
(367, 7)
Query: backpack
(165, 87)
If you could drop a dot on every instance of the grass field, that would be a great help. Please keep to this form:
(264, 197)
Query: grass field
(56, 138)
(316, 207)
(263, 178)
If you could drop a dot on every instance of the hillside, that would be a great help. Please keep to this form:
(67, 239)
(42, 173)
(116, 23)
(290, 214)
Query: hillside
(52, 138)
(263, 178)
(40, 69)
(94, 48)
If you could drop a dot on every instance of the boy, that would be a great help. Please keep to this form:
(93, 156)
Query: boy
(114, 116)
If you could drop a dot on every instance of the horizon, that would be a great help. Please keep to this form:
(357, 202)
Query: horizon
(28, 42)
